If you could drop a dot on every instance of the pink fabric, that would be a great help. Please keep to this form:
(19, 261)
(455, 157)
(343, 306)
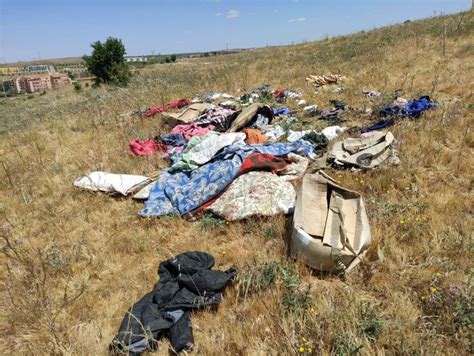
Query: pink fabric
(177, 104)
(193, 129)
(145, 148)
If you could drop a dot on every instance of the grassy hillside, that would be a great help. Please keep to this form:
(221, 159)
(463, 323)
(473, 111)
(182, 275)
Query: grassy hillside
(74, 262)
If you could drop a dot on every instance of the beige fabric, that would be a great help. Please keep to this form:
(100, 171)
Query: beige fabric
(365, 152)
(248, 114)
(188, 115)
(328, 233)
(321, 80)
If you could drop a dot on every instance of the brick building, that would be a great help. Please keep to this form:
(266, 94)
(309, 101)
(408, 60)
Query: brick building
(59, 80)
(37, 84)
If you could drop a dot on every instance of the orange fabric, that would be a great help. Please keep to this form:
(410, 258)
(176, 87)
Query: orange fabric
(254, 137)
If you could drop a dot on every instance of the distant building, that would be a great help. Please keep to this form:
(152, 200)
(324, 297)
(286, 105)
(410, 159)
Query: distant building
(39, 68)
(9, 70)
(70, 67)
(59, 80)
(16, 86)
(136, 59)
(37, 84)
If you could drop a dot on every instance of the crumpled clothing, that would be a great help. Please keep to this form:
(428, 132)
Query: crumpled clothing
(218, 117)
(228, 104)
(261, 121)
(178, 104)
(171, 152)
(191, 130)
(182, 192)
(200, 151)
(281, 111)
(296, 135)
(321, 80)
(257, 161)
(332, 132)
(371, 93)
(214, 96)
(338, 104)
(297, 166)
(145, 148)
(334, 116)
(301, 102)
(318, 140)
(143, 193)
(367, 152)
(273, 132)
(410, 110)
(112, 183)
(187, 282)
(255, 194)
(173, 139)
(249, 115)
(292, 94)
(254, 137)
(310, 110)
(279, 93)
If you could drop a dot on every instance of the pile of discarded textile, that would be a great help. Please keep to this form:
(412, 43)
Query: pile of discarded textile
(237, 158)
(401, 109)
(322, 80)
(187, 282)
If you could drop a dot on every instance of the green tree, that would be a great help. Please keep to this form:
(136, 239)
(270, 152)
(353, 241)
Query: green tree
(107, 62)
(173, 58)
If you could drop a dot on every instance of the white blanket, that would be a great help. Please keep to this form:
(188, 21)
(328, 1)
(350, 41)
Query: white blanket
(110, 182)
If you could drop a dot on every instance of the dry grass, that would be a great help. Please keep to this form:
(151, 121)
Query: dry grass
(74, 262)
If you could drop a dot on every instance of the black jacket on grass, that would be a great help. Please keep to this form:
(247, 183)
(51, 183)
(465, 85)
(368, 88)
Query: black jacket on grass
(186, 283)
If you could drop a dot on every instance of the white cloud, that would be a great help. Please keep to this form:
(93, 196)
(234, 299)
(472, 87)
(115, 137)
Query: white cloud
(297, 19)
(232, 14)
(219, 13)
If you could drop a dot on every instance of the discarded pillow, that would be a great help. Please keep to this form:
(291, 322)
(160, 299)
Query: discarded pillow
(366, 152)
(255, 194)
(111, 183)
(330, 228)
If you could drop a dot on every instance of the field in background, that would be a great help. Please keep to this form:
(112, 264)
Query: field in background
(74, 262)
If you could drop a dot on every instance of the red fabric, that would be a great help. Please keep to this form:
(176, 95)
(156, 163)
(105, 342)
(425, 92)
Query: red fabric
(279, 93)
(178, 104)
(263, 162)
(145, 148)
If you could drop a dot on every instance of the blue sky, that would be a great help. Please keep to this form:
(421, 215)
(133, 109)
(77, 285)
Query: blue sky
(61, 28)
